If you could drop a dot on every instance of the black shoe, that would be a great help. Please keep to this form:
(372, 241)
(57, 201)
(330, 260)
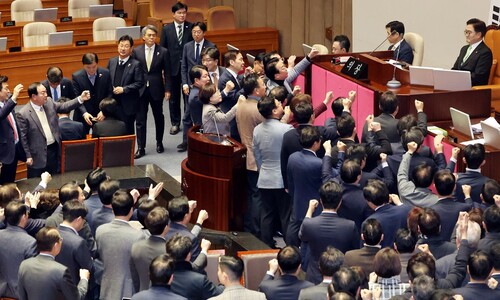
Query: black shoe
(139, 153)
(182, 147)
(159, 147)
(174, 130)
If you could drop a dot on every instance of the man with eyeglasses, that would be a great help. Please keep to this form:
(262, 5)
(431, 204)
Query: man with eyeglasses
(475, 57)
(395, 36)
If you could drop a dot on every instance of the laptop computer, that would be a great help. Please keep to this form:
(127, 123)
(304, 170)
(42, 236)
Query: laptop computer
(133, 31)
(231, 47)
(461, 122)
(421, 75)
(100, 11)
(306, 49)
(250, 59)
(62, 38)
(3, 44)
(451, 80)
(45, 14)
(491, 135)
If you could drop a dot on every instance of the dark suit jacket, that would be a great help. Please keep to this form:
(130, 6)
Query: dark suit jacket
(43, 278)
(132, 82)
(478, 63)
(70, 130)
(231, 98)
(286, 287)
(160, 64)
(109, 127)
(316, 292)
(475, 180)
(191, 284)
(7, 143)
(157, 293)
(169, 41)
(490, 238)
(188, 60)
(403, 52)
(438, 247)
(195, 106)
(74, 253)
(354, 206)
(362, 257)
(391, 218)
(478, 291)
(67, 89)
(101, 89)
(448, 210)
(143, 252)
(101, 216)
(31, 132)
(327, 229)
(389, 125)
(182, 230)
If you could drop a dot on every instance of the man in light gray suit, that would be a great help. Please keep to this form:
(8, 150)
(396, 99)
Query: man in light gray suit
(39, 129)
(229, 272)
(41, 277)
(16, 245)
(114, 244)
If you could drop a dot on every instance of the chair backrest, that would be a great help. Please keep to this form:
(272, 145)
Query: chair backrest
(321, 48)
(104, 29)
(116, 151)
(24, 10)
(200, 5)
(256, 264)
(492, 40)
(416, 42)
(195, 15)
(213, 264)
(221, 17)
(78, 155)
(80, 8)
(36, 34)
(161, 9)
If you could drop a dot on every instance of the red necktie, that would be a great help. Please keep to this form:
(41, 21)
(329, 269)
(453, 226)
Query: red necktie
(11, 121)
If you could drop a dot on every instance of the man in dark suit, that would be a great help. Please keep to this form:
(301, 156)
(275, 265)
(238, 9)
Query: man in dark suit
(479, 266)
(475, 57)
(161, 270)
(429, 224)
(402, 50)
(11, 149)
(495, 256)
(491, 221)
(474, 159)
(372, 235)
(58, 86)
(210, 59)
(186, 282)
(39, 129)
(327, 229)
(110, 125)
(173, 37)
(155, 64)
(287, 286)
(70, 130)
(74, 252)
(41, 277)
(128, 79)
(97, 81)
(16, 245)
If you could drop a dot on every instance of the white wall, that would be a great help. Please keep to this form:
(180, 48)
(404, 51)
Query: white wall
(440, 22)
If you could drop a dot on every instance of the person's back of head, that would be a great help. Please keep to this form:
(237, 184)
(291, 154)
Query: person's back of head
(95, 178)
(419, 264)
(14, 212)
(474, 155)
(344, 42)
(350, 171)
(145, 206)
(109, 107)
(178, 208)
(397, 26)
(341, 296)
(179, 247)
(230, 268)
(330, 261)
(330, 194)
(266, 106)
(156, 220)
(429, 223)
(412, 220)
(106, 190)
(490, 188)
(388, 102)
(423, 287)
(161, 270)
(69, 191)
(346, 126)
(371, 231)
(289, 259)
(357, 152)
(9, 192)
(122, 203)
(405, 242)
(491, 219)
(412, 135)
(405, 123)
(279, 93)
(443, 294)
(422, 175)
(309, 135)
(72, 210)
(301, 108)
(376, 192)
(495, 256)
(444, 181)
(387, 263)
(46, 238)
(250, 83)
(346, 280)
(338, 106)
(479, 265)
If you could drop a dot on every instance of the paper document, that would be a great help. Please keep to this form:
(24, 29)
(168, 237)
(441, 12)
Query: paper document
(472, 142)
(490, 121)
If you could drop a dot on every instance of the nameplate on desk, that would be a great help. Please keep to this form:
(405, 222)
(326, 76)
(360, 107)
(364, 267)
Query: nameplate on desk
(9, 23)
(82, 43)
(355, 69)
(121, 15)
(15, 49)
(66, 19)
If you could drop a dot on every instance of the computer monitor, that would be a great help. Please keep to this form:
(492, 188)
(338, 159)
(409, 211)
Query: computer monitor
(231, 47)
(45, 14)
(62, 38)
(306, 49)
(250, 59)
(491, 135)
(3, 44)
(100, 11)
(133, 31)
(461, 122)
(421, 76)
(451, 80)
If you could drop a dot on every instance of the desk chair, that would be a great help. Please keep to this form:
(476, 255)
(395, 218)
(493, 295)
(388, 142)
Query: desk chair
(160, 12)
(416, 42)
(195, 15)
(80, 8)
(321, 48)
(24, 10)
(116, 151)
(221, 17)
(104, 29)
(36, 34)
(201, 6)
(78, 155)
(256, 265)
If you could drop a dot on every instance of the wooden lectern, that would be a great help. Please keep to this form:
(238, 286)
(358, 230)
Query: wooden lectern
(214, 174)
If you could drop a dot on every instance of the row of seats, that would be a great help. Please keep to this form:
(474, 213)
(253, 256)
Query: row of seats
(23, 10)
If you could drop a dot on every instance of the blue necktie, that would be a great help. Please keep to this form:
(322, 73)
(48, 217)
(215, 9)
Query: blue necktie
(197, 53)
(56, 95)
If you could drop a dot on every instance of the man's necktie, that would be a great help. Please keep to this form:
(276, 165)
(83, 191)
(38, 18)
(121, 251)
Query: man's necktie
(215, 79)
(148, 58)
(55, 94)
(197, 53)
(467, 54)
(179, 35)
(14, 129)
(121, 62)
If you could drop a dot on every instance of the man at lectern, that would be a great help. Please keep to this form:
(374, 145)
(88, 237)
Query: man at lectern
(475, 57)
(402, 50)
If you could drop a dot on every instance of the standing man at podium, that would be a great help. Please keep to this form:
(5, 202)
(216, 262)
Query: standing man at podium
(475, 57)
(402, 50)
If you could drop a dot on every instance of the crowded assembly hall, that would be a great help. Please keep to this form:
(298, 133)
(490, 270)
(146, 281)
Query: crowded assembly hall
(327, 174)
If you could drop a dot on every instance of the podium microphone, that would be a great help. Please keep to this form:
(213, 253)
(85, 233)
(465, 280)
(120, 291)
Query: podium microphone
(393, 32)
(393, 83)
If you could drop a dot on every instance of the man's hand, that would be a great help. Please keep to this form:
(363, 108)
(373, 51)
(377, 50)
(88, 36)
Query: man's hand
(366, 294)
(419, 106)
(466, 189)
(395, 199)
(118, 90)
(375, 126)
(313, 203)
(347, 104)
(85, 95)
(438, 145)
(383, 157)
(463, 223)
(328, 98)
(155, 191)
(100, 117)
(327, 146)
(291, 61)
(17, 89)
(412, 147)
(341, 146)
(273, 265)
(296, 90)
(167, 96)
(425, 248)
(2, 214)
(192, 205)
(369, 120)
(454, 152)
(497, 200)
(205, 245)
(29, 161)
(229, 87)
(313, 53)
(185, 90)
(352, 96)
(46, 177)
(248, 71)
(84, 274)
(372, 277)
(88, 118)
(135, 194)
(202, 216)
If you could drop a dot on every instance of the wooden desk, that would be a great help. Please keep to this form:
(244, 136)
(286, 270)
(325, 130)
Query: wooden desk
(248, 40)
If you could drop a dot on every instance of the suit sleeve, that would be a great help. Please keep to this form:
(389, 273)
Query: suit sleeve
(7, 109)
(138, 81)
(167, 73)
(77, 89)
(210, 290)
(68, 288)
(405, 186)
(163, 38)
(200, 263)
(457, 273)
(481, 73)
(256, 152)
(184, 66)
(23, 125)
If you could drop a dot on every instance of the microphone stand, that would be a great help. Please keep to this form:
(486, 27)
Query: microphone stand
(394, 83)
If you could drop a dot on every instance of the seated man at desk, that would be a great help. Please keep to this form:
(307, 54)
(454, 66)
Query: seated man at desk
(475, 57)
(341, 44)
(402, 50)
